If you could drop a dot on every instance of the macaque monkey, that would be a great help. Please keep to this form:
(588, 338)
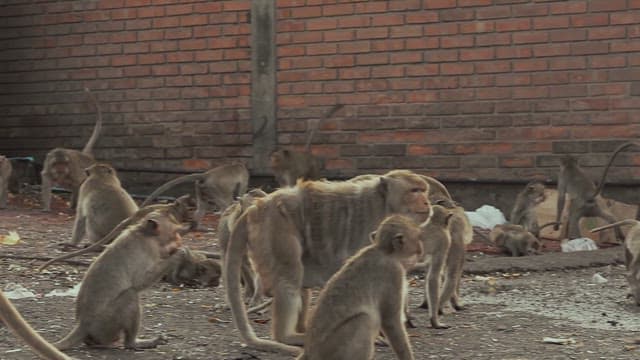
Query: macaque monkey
(366, 296)
(582, 198)
(436, 240)
(523, 212)
(65, 167)
(16, 323)
(290, 165)
(102, 204)
(515, 239)
(5, 174)
(194, 269)
(632, 254)
(214, 189)
(108, 302)
(225, 226)
(179, 210)
(461, 233)
(300, 236)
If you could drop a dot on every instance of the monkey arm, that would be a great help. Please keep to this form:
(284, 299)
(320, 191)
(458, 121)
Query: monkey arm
(432, 286)
(562, 190)
(393, 328)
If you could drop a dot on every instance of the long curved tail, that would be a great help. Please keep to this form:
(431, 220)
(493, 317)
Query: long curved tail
(236, 249)
(169, 184)
(327, 115)
(88, 148)
(630, 222)
(75, 337)
(12, 318)
(606, 169)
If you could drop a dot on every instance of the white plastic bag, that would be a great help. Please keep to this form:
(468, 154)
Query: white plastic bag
(579, 244)
(15, 291)
(486, 217)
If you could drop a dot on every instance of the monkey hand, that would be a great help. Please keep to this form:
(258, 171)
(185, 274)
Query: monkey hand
(556, 227)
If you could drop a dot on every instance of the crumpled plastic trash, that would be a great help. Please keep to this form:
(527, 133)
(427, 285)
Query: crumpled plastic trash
(15, 291)
(73, 292)
(11, 239)
(486, 217)
(598, 279)
(579, 244)
(558, 341)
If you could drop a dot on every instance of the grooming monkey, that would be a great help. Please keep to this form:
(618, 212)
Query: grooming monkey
(298, 237)
(5, 174)
(631, 254)
(102, 204)
(583, 195)
(365, 296)
(65, 167)
(16, 323)
(193, 268)
(179, 210)
(214, 188)
(523, 212)
(461, 233)
(514, 238)
(436, 241)
(289, 165)
(225, 226)
(108, 302)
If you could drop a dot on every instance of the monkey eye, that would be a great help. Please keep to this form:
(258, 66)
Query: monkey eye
(417, 190)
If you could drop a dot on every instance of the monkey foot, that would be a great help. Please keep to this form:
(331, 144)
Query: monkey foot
(409, 324)
(142, 344)
(439, 325)
(381, 341)
(458, 307)
(424, 305)
(67, 246)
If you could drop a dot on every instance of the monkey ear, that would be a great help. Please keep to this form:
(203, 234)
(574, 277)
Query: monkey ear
(397, 242)
(383, 186)
(86, 171)
(448, 218)
(372, 236)
(151, 227)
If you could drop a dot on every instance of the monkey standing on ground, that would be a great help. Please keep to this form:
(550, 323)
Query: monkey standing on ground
(367, 296)
(65, 167)
(436, 241)
(108, 302)
(298, 237)
(631, 254)
(583, 196)
(16, 323)
(214, 189)
(179, 210)
(102, 204)
(5, 174)
(289, 165)
(523, 212)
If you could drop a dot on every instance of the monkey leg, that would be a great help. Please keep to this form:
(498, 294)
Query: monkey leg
(4, 191)
(455, 298)
(131, 316)
(432, 290)
(351, 340)
(397, 336)
(573, 222)
(73, 202)
(305, 296)
(79, 229)
(286, 308)
(45, 192)
(608, 216)
(456, 255)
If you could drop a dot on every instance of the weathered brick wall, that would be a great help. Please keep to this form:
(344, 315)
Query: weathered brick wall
(482, 89)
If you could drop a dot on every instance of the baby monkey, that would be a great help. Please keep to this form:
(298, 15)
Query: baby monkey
(365, 296)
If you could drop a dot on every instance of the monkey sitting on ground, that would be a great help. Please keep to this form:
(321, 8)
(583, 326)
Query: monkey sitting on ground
(297, 237)
(102, 205)
(65, 167)
(583, 196)
(16, 323)
(108, 302)
(631, 254)
(523, 212)
(367, 296)
(436, 241)
(5, 174)
(290, 165)
(214, 189)
(179, 210)
(515, 239)
(194, 269)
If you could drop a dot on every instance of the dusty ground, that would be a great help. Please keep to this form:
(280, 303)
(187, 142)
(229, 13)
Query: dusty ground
(509, 312)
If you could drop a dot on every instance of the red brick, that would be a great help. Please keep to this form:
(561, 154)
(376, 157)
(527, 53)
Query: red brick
(590, 104)
(456, 41)
(530, 10)
(306, 12)
(422, 43)
(455, 69)
(150, 12)
(625, 46)
(175, 34)
(387, 71)
(354, 47)
(554, 22)
(306, 37)
(568, 7)
(321, 24)
(421, 150)
(371, 59)
(195, 164)
(321, 49)
(477, 54)
(387, 45)
(442, 82)
(421, 17)
(567, 63)
(551, 50)
(513, 52)
(208, 55)
(493, 12)
(489, 67)
(607, 33)
(180, 9)
(290, 51)
(625, 18)
(208, 7)
(550, 78)
(590, 20)
(607, 61)
(530, 37)
(607, 5)
(420, 70)
(477, 27)
(237, 5)
(192, 44)
(120, 14)
(339, 35)
(193, 20)
(456, 14)
(372, 33)
(354, 73)
(440, 29)
(354, 22)
(530, 65)
(340, 9)
(608, 89)
(439, 4)
(493, 39)
(405, 84)
(517, 162)
(371, 7)
(530, 92)
(567, 35)
(589, 48)
(387, 19)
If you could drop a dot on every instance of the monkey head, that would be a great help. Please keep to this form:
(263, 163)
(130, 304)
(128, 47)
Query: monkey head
(400, 237)
(568, 161)
(100, 169)
(534, 192)
(208, 272)
(634, 282)
(406, 193)
(278, 158)
(58, 164)
(440, 217)
(165, 232)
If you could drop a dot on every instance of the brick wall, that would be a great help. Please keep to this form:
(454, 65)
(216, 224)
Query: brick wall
(467, 89)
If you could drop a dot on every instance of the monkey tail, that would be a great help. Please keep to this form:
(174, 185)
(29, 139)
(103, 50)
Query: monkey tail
(630, 222)
(169, 184)
(327, 115)
(88, 148)
(606, 169)
(76, 336)
(236, 249)
(10, 316)
(548, 224)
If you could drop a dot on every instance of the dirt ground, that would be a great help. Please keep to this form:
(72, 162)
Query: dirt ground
(511, 308)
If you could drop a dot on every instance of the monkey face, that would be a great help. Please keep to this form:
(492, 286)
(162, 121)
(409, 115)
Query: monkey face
(60, 170)
(535, 192)
(209, 272)
(408, 194)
